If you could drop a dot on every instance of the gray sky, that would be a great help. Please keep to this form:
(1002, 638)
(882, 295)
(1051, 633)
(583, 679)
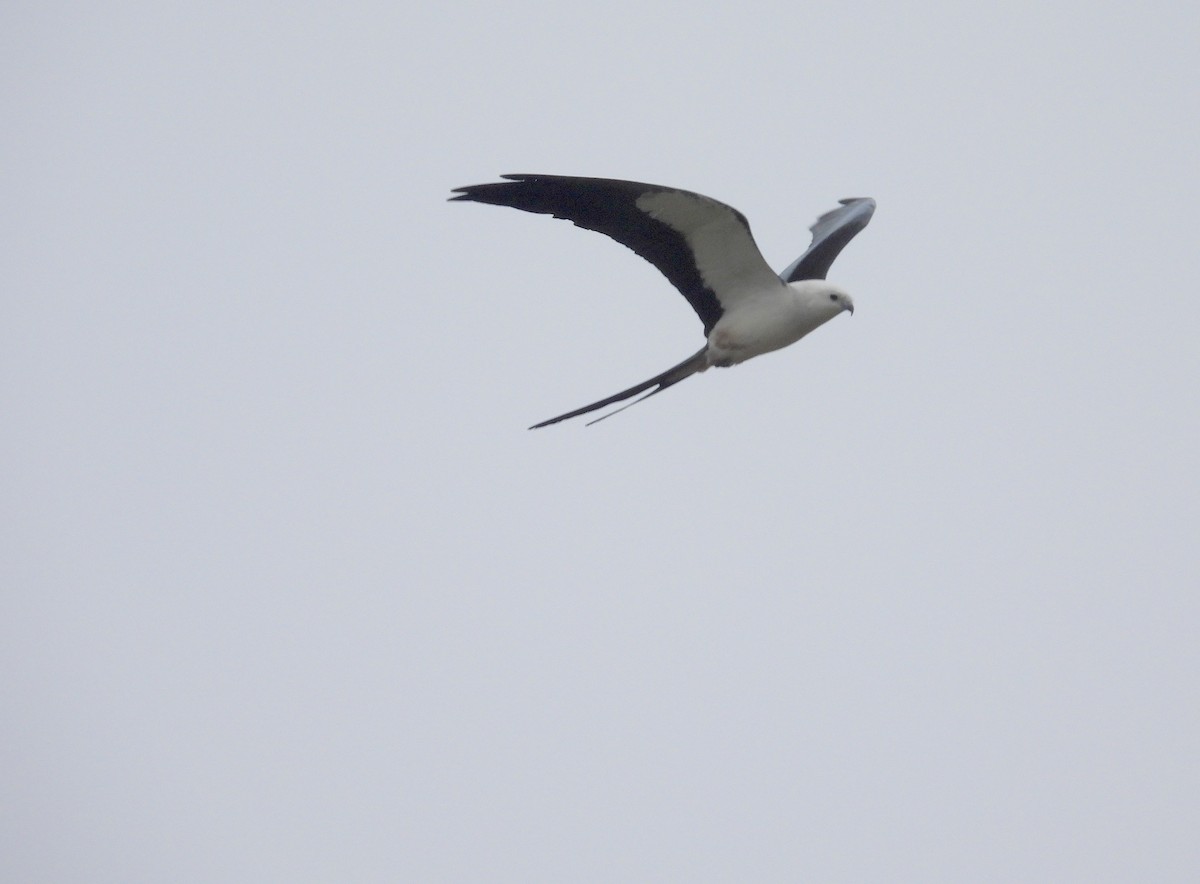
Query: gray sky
(291, 594)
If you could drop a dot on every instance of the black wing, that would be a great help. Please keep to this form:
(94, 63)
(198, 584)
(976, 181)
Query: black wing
(702, 246)
(831, 233)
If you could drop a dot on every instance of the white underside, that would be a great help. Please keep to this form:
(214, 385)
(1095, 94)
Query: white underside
(769, 319)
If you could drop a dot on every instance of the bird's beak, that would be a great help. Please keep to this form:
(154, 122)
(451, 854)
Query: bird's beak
(851, 309)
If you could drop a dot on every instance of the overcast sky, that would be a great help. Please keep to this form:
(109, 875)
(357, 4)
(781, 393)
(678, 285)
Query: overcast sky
(288, 593)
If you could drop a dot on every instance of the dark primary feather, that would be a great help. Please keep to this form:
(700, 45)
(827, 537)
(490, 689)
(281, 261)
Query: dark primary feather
(610, 207)
(831, 233)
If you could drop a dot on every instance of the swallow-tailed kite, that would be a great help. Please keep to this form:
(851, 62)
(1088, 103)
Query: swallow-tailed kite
(705, 249)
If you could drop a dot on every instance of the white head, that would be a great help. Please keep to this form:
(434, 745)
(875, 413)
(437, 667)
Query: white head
(823, 296)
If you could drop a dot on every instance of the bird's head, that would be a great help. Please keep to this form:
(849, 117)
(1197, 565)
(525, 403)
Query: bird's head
(824, 297)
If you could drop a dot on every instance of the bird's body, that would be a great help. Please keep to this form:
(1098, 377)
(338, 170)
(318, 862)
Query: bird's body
(773, 317)
(705, 249)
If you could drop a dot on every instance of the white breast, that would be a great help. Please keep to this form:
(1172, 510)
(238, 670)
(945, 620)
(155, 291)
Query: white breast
(770, 320)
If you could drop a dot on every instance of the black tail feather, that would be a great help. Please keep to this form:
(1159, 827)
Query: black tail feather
(669, 378)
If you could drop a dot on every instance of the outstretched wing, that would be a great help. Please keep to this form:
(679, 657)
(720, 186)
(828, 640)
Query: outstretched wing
(830, 235)
(702, 246)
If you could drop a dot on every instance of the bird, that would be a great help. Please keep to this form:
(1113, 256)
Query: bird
(705, 249)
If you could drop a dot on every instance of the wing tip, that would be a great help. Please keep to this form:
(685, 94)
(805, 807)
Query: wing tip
(472, 192)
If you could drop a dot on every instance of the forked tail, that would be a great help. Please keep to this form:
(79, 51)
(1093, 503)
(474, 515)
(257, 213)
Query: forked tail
(692, 365)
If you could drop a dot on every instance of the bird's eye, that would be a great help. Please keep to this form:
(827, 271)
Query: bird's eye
(833, 297)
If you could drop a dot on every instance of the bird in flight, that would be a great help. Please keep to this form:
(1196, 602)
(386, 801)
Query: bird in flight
(706, 250)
